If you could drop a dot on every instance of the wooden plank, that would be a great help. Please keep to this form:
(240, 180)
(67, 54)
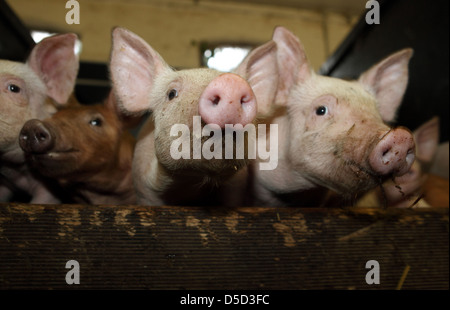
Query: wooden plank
(137, 247)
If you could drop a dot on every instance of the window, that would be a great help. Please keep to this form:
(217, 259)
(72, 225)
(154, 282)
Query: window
(224, 57)
(39, 35)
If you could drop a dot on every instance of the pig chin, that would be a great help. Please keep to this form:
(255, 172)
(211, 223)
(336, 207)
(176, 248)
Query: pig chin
(55, 163)
(209, 168)
(348, 177)
(213, 168)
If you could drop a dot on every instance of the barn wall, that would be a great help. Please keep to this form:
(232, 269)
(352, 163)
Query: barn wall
(175, 28)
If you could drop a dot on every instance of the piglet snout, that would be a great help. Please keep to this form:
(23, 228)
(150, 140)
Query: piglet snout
(35, 137)
(394, 154)
(228, 99)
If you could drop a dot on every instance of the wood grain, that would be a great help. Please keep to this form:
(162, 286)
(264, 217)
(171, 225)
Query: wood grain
(135, 247)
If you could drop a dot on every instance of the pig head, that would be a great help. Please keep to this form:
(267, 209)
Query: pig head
(86, 149)
(407, 190)
(32, 90)
(143, 81)
(332, 132)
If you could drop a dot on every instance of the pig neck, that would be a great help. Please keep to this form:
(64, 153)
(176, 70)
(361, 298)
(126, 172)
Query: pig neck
(113, 186)
(284, 178)
(157, 185)
(186, 186)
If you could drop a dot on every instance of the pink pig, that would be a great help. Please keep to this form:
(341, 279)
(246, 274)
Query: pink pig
(143, 81)
(32, 90)
(332, 132)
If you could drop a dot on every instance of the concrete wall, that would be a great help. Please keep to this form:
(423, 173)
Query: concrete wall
(175, 28)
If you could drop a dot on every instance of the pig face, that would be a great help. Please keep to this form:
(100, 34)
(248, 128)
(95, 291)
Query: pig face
(187, 85)
(34, 89)
(75, 143)
(337, 136)
(144, 82)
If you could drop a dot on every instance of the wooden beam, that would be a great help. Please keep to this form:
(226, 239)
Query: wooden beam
(136, 247)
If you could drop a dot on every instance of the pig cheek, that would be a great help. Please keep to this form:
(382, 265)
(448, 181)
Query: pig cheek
(11, 122)
(351, 173)
(168, 114)
(308, 154)
(101, 147)
(163, 141)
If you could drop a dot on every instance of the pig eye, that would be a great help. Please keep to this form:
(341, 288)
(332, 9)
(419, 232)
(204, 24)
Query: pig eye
(13, 88)
(173, 93)
(96, 122)
(321, 110)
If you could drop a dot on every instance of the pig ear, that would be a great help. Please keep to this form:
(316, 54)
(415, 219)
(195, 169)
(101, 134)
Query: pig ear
(133, 68)
(293, 64)
(387, 80)
(427, 140)
(54, 61)
(260, 69)
(127, 121)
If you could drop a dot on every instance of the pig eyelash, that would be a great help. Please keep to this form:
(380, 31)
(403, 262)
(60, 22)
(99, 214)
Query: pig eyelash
(171, 94)
(14, 88)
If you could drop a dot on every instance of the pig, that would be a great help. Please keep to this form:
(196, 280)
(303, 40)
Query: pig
(332, 132)
(439, 167)
(143, 81)
(407, 190)
(87, 150)
(35, 89)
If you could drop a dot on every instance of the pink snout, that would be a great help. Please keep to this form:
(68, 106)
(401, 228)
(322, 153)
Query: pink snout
(394, 154)
(228, 99)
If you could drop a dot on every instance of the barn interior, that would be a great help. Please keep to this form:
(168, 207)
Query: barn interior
(194, 248)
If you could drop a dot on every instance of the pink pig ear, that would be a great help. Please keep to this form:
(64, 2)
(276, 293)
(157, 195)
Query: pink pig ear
(127, 121)
(55, 62)
(293, 64)
(427, 140)
(387, 80)
(260, 69)
(133, 68)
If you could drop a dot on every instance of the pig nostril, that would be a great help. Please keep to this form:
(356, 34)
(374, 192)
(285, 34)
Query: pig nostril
(244, 99)
(42, 136)
(215, 100)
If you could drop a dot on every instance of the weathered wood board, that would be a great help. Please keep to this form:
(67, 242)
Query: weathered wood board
(135, 247)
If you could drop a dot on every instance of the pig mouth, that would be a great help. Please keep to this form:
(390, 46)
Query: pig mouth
(359, 179)
(52, 156)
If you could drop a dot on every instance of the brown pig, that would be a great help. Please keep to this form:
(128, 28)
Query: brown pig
(87, 150)
(332, 132)
(407, 190)
(189, 98)
(32, 90)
